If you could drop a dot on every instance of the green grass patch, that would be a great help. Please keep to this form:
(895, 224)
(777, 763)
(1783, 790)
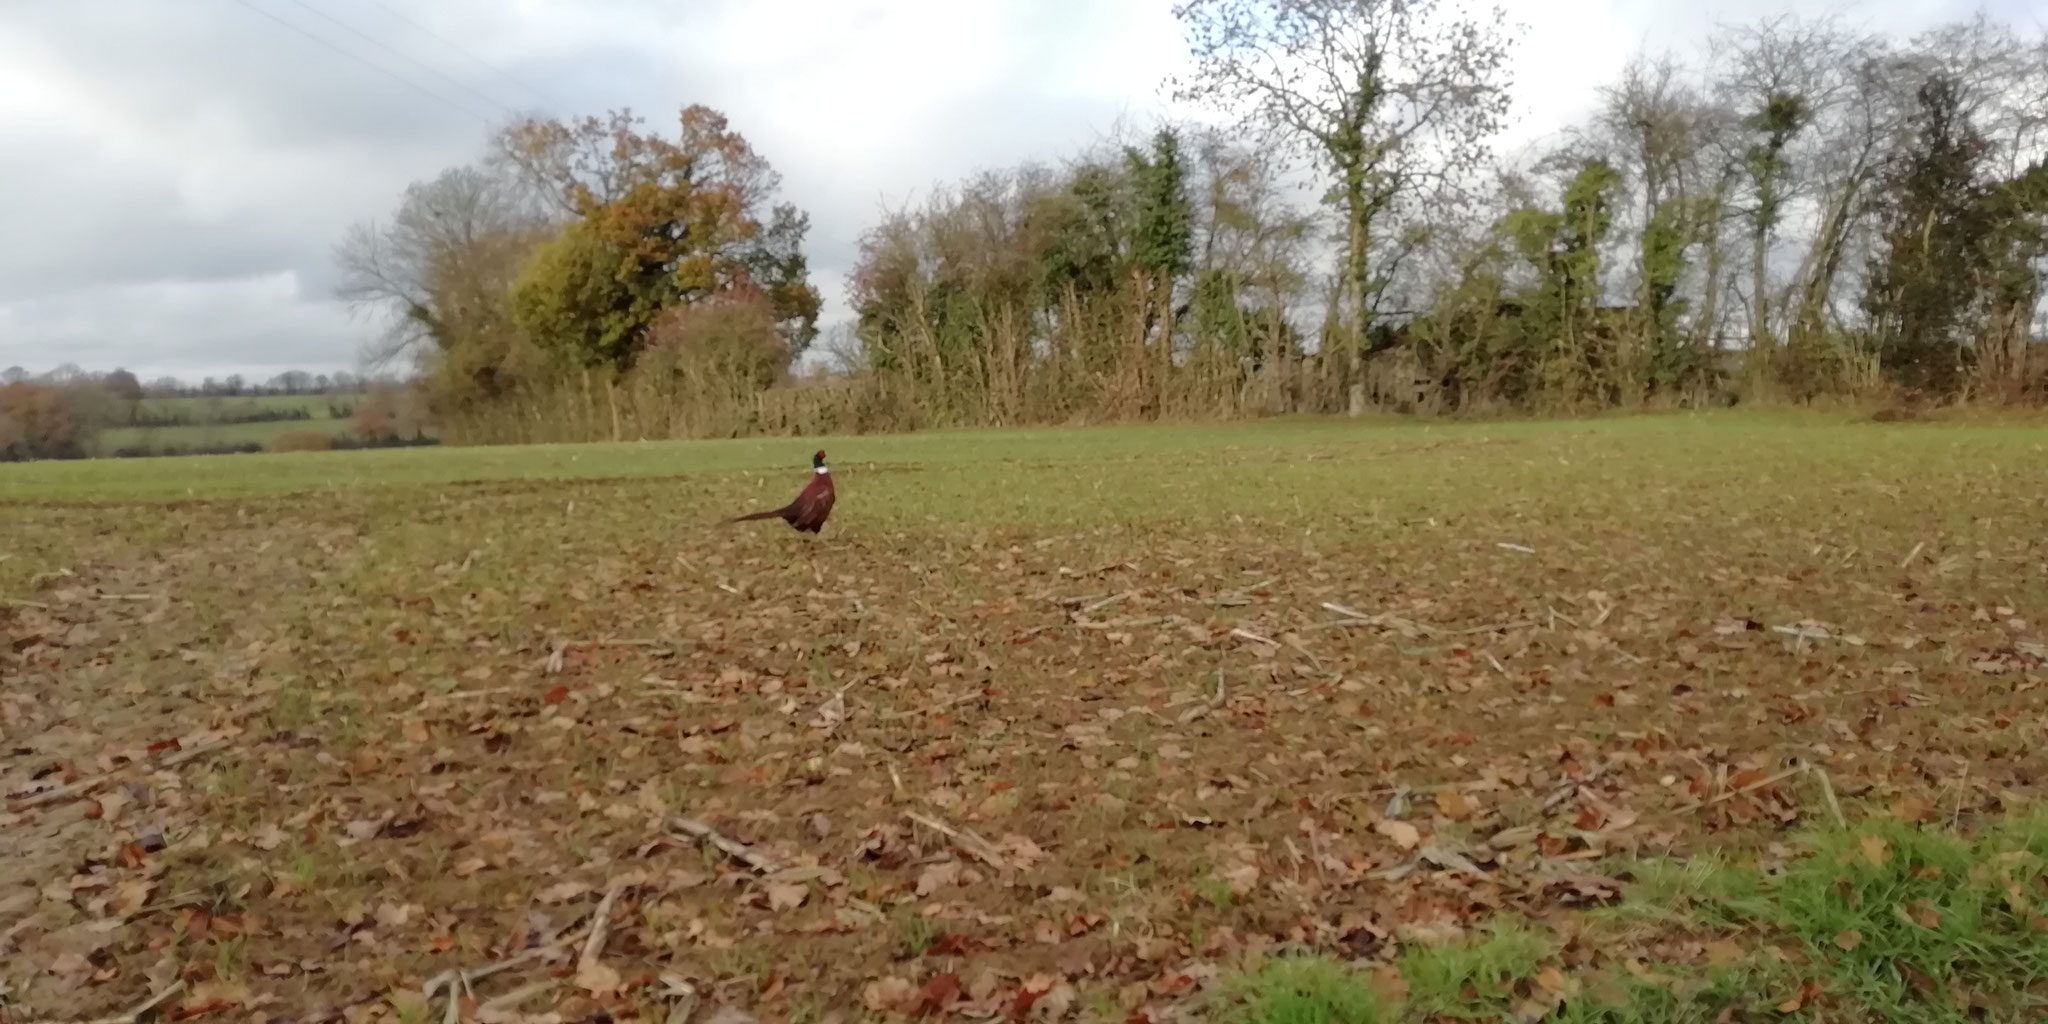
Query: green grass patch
(1926, 925)
(1306, 990)
(1472, 980)
(1882, 922)
(1288, 468)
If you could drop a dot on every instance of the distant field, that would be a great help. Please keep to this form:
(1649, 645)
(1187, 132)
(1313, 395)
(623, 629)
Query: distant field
(1502, 721)
(207, 409)
(1256, 454)
(210, 421)
(199, 435)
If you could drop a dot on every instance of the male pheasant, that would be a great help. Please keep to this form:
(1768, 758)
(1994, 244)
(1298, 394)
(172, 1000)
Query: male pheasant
(812, 506)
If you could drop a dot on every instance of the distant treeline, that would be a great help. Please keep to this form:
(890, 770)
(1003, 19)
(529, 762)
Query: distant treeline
(61, 415)
(337, 442)
(125, 384)
(225, 414)
(1793, 210)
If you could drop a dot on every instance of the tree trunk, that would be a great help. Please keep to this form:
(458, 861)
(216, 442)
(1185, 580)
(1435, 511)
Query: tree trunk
(1354, 287)
(1760, 341)
(1708, 325)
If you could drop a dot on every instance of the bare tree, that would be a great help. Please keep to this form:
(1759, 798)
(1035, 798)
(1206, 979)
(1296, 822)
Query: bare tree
(1792, 85)
(1252, 266)
(443, 263)
(1393, 98)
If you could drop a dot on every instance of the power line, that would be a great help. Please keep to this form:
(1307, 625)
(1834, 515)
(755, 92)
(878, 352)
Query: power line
(374, 41)
(465, 51)
(358, 58)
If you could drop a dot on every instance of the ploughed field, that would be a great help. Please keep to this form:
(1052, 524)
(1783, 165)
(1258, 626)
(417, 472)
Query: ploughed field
(1080, 724)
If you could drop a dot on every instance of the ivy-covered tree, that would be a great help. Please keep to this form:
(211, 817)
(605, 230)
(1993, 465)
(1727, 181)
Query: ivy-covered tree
(1557, 315)
(1926, 279)
(1163, 237)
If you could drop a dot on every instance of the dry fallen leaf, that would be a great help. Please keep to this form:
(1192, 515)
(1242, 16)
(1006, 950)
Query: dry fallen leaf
(1806, 992)
(130, 896)
(1912, 808)
(1849, 938)
(1923, 913)
(1455, 805)
(1243, 878)
(887, 994)
(938, 995)
(70, 963)
(562, 892)
(212, 997)
(1404, 835)
(937, 876)
(594, 977)
(785, 896)
(1057, 1001)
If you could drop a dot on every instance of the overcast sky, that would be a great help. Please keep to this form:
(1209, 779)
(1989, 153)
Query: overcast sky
(174, 173)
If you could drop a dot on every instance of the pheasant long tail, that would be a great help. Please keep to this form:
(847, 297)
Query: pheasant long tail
(772, 513)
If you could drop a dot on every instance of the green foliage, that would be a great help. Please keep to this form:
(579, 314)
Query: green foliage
(1554, 317)
(1922, 924)
(1702, 891)
(1925, 283)
(587, 301)
(1163, 238)
(527, 306)
(1678, 996)
(1044, 294)
(1782, 116)
(1305, 990)
(1215, 314)
(1666, 239)
(1894, 922)
(1086, 228)
(1472, 980)
(776, 264)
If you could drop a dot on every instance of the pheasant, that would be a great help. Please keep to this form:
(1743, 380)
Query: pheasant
(808, 512)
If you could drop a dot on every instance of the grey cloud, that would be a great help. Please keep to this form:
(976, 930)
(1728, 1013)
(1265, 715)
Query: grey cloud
(256, 327)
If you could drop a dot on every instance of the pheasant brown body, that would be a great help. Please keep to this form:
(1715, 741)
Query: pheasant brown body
(812, 506)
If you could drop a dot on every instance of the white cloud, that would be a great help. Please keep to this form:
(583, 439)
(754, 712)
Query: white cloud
(180, 172)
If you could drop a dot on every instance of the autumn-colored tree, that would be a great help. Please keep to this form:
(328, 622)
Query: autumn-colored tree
(657, 223)
(390, 409)
(41, 421)
(728, 342)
